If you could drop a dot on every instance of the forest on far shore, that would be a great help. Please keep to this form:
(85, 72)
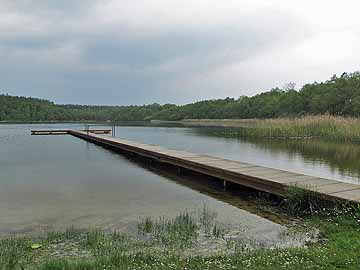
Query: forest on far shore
(338, 96)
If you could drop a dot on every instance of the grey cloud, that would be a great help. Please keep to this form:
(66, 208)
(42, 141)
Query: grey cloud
(79, 60)
(50, 7)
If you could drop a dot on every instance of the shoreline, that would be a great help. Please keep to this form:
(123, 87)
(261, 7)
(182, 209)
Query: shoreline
(184, 242)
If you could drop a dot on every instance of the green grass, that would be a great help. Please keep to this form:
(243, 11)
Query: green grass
(69, 233)
(338, 247)
(301, 201)
(181, 231)
(15, 253)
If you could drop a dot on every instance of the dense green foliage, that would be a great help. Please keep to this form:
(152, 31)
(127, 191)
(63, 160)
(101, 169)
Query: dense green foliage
(337, 96)
(31, 109)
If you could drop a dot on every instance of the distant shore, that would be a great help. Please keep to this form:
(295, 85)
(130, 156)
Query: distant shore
(324, 127)
(47, 122)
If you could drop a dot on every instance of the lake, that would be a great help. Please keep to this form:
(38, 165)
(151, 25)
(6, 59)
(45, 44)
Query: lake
(53, 182)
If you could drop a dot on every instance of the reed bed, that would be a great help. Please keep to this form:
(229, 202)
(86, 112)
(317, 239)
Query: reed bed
(326, 127)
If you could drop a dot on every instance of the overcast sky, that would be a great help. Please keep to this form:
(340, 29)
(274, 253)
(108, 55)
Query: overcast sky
(171, 51)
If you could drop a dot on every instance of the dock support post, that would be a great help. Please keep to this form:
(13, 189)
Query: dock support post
(224, 184)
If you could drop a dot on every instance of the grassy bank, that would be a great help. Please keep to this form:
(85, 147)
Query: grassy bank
(171, 244)
(324, 127)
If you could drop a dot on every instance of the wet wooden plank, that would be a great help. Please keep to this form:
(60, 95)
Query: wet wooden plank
(203, 159)
(225, 164)
(335, 188)
(351, 195)
(182, 154)
(234, 163)
(308, 181)
(247, 169)
(268, 172)
(273, 175)
(298, 179)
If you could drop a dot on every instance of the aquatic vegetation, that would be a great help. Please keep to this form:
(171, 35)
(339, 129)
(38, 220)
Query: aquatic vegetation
(179, 231)
(183, 230)
(338, 249)
(94, 237)
(146, 225)
(207, 218)
(325, 127)
(301, 201)
(69, 233)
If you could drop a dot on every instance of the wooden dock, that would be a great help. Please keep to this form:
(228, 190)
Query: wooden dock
(66, 131)
(258, 177)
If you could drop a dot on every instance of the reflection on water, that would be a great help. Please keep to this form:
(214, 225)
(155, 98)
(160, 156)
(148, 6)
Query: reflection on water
(342, 159)
(58, 181)
(53, 182)
(315, 158)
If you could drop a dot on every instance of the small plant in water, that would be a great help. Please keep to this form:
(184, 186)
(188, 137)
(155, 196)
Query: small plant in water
(300, 201)
(207, 218)
(145, 226)
(69, 233)
(94, 238)
(179, 231)
(72, 232)
(217, 231)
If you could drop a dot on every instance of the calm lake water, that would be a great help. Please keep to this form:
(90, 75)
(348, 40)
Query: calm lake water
(311, 157)
(53, 182)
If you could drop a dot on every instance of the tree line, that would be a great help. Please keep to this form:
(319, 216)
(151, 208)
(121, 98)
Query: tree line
(336, 96)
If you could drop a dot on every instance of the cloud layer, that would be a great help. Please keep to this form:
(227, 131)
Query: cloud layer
(142, 51)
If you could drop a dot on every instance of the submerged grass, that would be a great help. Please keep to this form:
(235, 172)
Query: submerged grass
(69, 233)
(178, 232)
(183, 230)
(338, 249)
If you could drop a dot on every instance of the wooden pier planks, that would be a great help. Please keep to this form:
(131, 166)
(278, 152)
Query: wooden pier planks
(49, 132)
(66, 131)
(258, 177)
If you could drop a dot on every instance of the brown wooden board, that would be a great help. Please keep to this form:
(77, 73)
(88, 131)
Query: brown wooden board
(351, 195)
(311, 181)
